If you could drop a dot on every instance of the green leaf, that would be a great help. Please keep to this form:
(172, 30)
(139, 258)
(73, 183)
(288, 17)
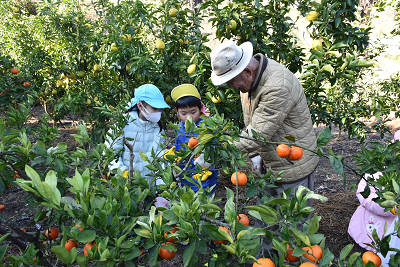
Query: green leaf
(153, 255)
(134, 253)
(143, 232)
(345, 251)
(336, 164)
(3, 250)
(62, 254)
(4, 237)
(225, 235)
(47, 192)
(395, 186)
(187, 255)
(384, 247)
(211, 206)
(338, 20)
(324, 137)
(316, 238)
(321, 198)
(86, 236)
(33, 175)
(313, 225)
(317, 53)
(304, 238)
(158, 221)
(280, 201)
(143, 156)
(251, 192)
(188, 124)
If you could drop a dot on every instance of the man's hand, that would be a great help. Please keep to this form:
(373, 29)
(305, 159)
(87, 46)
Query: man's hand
(201, 162)
(257, 163)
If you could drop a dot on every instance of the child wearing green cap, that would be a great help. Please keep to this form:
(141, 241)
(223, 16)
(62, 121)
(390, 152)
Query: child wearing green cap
(188, 104)
(144, 113)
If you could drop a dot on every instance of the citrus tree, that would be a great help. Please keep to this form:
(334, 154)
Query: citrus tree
(114, 218)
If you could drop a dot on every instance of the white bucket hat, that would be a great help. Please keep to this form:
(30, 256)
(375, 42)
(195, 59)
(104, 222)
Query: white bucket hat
(228, 60)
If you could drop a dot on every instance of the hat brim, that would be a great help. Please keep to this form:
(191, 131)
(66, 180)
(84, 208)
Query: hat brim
(157, 104)
(184, 90)
(247, 54)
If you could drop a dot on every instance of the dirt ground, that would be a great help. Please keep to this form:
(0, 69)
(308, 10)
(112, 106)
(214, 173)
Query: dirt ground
(335, 213)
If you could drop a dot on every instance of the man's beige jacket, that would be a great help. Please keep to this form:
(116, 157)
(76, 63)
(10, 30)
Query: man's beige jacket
(277, 107)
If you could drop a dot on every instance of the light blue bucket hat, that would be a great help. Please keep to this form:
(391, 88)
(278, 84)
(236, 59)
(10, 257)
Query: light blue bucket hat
(151, 95)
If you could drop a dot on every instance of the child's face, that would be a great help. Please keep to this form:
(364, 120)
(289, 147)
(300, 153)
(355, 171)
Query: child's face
(187, 112)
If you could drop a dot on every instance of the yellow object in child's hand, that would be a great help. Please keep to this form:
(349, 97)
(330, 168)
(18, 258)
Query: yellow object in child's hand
(204, 175)
(394, 211)
(171, 152)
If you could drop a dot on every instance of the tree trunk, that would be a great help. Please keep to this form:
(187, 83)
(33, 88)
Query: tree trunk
(194, 3)
(366, 9)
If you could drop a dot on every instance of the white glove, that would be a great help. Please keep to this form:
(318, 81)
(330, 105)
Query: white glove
(201, 162)
(257, 163)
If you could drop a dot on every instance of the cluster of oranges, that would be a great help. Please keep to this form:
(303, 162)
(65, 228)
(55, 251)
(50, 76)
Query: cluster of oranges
(315, 253)
(292, 153)
(165, 253)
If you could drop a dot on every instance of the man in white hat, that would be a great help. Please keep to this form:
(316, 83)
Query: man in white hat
(274, 105)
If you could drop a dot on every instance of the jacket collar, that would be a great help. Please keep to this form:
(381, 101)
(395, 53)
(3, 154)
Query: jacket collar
(263, 65)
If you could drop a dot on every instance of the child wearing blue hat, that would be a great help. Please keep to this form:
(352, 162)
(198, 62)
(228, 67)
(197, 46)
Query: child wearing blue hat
(188, 104)
(144, 113)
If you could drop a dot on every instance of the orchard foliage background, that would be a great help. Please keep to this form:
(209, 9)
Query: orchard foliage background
(88, 67)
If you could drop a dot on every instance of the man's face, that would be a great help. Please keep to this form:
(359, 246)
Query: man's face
(242, 82)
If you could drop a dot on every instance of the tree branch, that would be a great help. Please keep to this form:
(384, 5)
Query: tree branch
(214, 221)
(131, 156)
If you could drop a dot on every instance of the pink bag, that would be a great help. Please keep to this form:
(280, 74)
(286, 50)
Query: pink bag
(368, 216)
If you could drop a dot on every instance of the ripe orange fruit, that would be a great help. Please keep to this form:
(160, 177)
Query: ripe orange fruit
(264, 262)
(23, 229)
(295, 153)
(308, 264)
(242, 178)
(370, 256)
(242, 218)
(289, 256)
(70, 244)
(80, 229)
(219, 242)
(165, 253)
(27, 84)
(193, 142)
(52, 234)
(283, 150)
(314, 252)
(141, 252)
(89, 247)
(171, 232)
(2, 207)
(14, 70)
